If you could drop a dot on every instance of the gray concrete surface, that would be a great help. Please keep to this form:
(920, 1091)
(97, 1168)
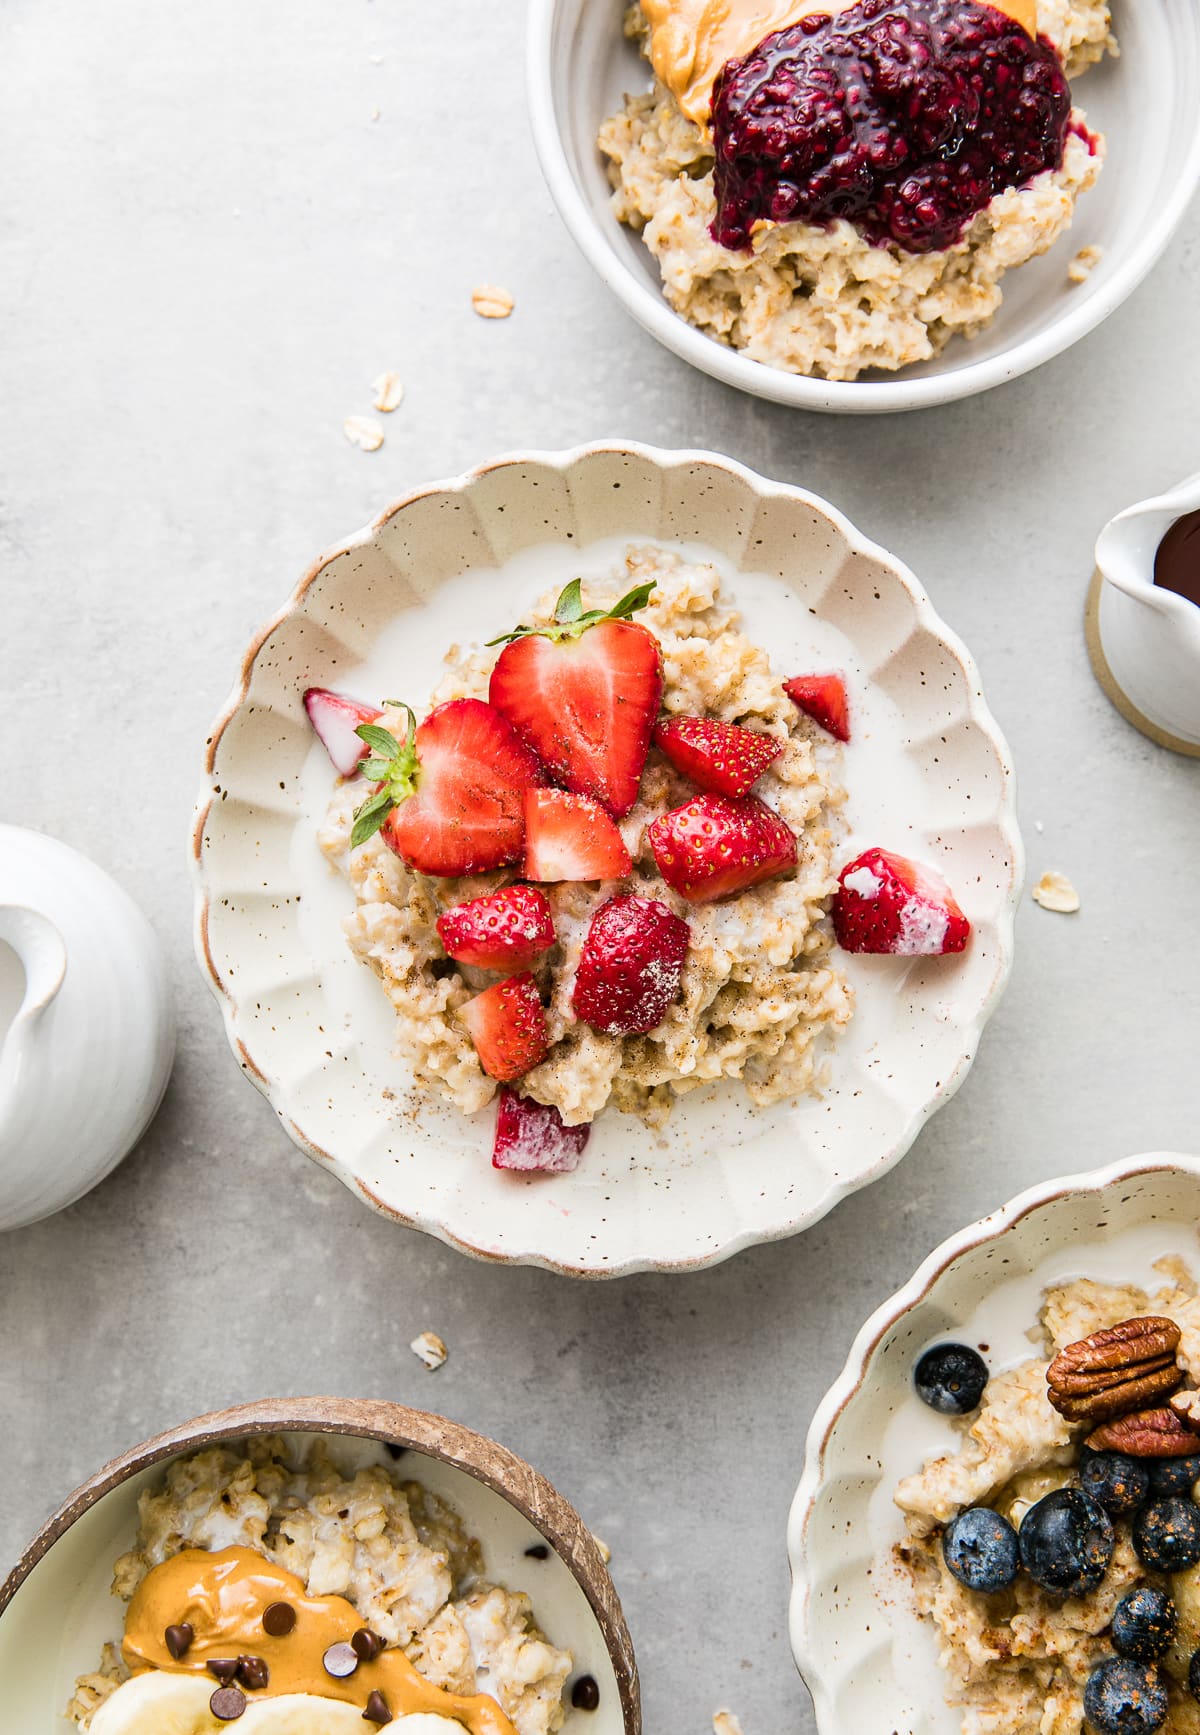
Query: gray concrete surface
(210, 248)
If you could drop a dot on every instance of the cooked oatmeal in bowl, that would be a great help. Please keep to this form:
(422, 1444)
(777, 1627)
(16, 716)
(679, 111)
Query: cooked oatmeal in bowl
(312, 1566)
(651, 868)
(834, 189)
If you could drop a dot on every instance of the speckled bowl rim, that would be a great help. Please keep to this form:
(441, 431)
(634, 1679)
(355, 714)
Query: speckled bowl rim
(432, 1436)
(799, 391)
(977, 712)
(882, 1322)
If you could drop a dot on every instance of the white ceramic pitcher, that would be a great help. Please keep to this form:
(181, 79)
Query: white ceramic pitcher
(1150, 637)
(86, 1030)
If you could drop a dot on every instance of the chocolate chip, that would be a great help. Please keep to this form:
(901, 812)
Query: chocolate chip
(585, 1694)
(253, 1672)
(224, 1668)
(278, 1619)
(178, 1640)
(227, 1703)
(367, 1645)
(539, 1551)
(377, 1710)
(340, 1660)
(394, 1451)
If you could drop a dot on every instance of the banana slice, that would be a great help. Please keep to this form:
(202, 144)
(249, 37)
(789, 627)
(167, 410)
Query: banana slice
(160, 1703)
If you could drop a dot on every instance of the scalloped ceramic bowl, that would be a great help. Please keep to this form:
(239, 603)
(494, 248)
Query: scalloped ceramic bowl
(57, 1610)
(869, 1662)
(927, 772)
(579, 65)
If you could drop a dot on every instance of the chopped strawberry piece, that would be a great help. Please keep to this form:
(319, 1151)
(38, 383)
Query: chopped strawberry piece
(722, 757)
(887, 903)
(505, 931)
(823, 698)
(336, 717)
(713, 846)
(450, 798)
(584, 693)
(630, 965)
(531, 1137)
(508, 1027)
(571, 837)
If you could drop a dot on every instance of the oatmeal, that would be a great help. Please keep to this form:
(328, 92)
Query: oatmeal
(758, 988)
(343, 1590)
(758, 254)
(1057, 1550)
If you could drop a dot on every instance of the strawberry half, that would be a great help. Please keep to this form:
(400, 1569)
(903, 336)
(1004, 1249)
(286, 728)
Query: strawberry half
(887, 903)
(722, 757)
(531, 1137)
(823, 698)
(336, 719)
(571, 837)
(505, 931)
(584, 693)
(714, 846)
(508, 1027)
(630, 965)
(451, 796)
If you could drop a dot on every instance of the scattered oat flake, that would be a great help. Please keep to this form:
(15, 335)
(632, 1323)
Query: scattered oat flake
(490, 302)
(1084, 262)
(605, 1550)
(430, 1349)
(725, 1723)
(1054, 891)
(388, 392)
(363, 432)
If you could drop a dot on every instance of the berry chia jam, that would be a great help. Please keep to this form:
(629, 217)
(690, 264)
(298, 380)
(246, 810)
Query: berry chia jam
(905, 116)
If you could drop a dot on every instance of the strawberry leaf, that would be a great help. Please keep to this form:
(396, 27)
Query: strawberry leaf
(370, 816)
(393, 765)
(571, 619)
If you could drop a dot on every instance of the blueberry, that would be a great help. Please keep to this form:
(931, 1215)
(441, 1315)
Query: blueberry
(1166, 1535)
(950, 1378)
(980, 1548)
(1194, 1675)
(1066, 1542)
(1174, 1476)
(1123, 1698)
(1117, 1483)
(1143, 1625)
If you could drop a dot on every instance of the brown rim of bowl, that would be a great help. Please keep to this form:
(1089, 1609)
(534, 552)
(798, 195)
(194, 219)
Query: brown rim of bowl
(449, 1442)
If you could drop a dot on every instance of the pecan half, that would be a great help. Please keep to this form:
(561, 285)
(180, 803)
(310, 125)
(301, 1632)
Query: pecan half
(1127, 1367)
(1145, 1434)
(1186, 1406)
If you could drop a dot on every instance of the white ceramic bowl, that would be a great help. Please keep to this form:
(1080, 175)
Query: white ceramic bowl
(57, 1609)
(1147, 102)
(870, 1664)
(927, 774)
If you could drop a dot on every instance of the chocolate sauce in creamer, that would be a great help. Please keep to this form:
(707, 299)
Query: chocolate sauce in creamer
(1177, 563)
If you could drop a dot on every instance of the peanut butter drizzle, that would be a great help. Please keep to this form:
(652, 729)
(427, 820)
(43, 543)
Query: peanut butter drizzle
(690, 40)
(222, 1596)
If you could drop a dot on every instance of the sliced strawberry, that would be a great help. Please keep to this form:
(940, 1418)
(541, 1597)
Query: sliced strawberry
(714, 846)
(571, 837)
(336, 718)
(505, 931)
(451, 796)
(823, 698)
(508, 1027)
(584, 693)
(722, 757)
(887, 903)
(630, 965)
(531, 1137)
